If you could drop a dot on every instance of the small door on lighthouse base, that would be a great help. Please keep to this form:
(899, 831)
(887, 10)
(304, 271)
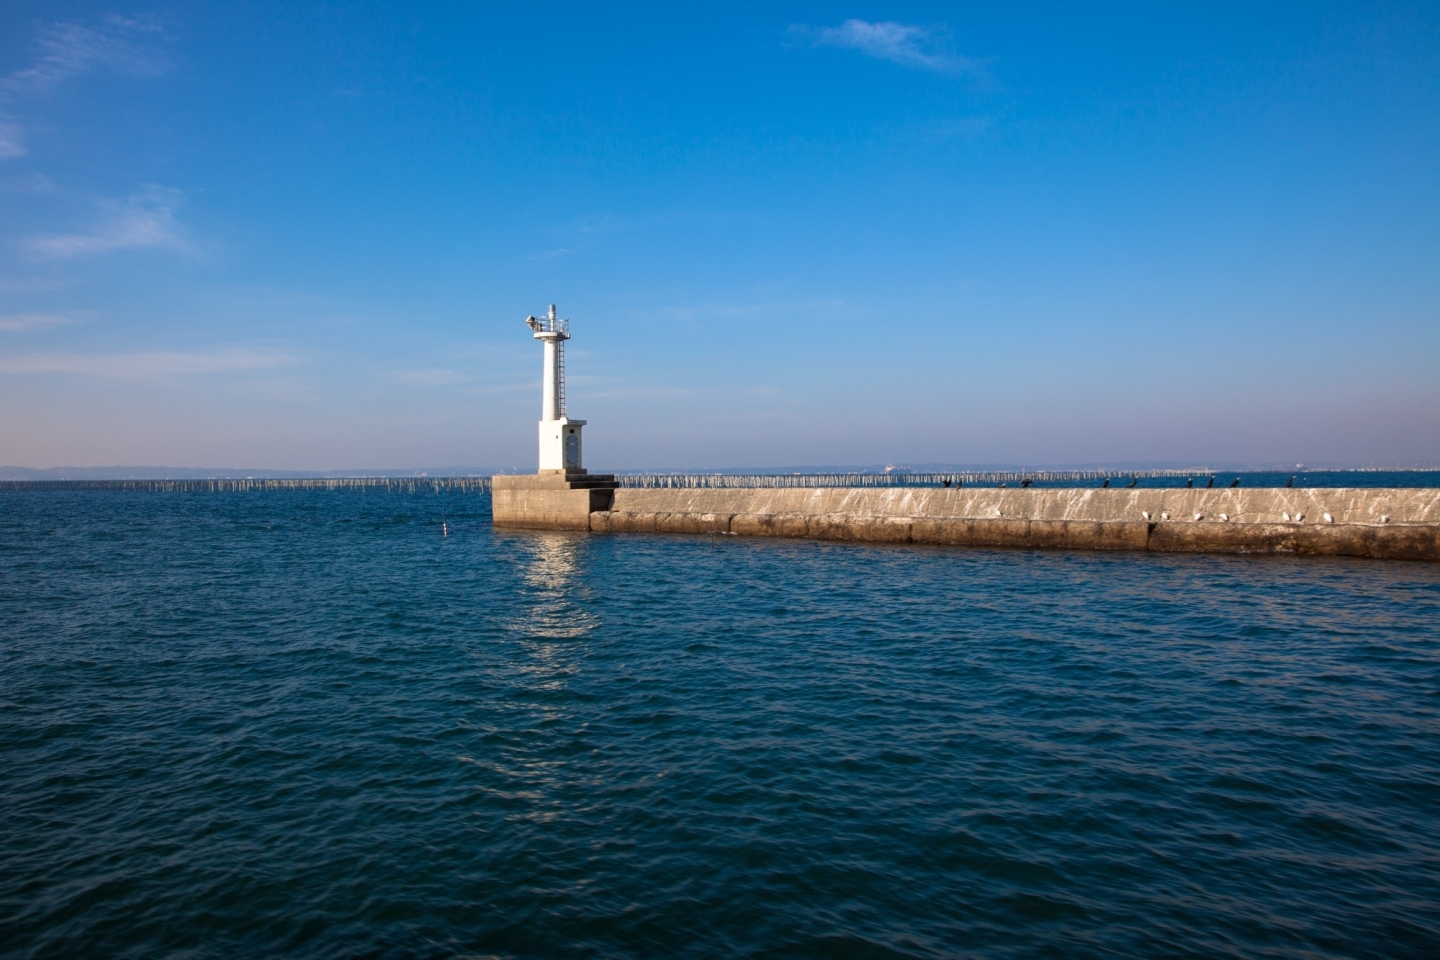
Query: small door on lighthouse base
(561, 447)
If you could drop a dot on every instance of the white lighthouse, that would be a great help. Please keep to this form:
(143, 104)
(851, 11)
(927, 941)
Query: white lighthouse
(560, 440)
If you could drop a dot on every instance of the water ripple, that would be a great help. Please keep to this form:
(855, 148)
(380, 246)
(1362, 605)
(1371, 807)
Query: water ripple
(304, 723)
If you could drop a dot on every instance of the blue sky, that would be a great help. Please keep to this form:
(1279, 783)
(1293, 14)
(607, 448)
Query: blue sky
(297, 236)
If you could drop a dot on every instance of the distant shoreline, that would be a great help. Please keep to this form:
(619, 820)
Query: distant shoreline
(1409, 478)
(1005, 471)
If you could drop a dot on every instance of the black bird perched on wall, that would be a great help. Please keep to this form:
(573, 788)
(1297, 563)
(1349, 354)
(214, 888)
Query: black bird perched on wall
(1209, 483)
(1291, 482)
(1189, 483)
(1234, 483)
(1105, 484)
(1133, 481)
(1026, 482)
(947, 483)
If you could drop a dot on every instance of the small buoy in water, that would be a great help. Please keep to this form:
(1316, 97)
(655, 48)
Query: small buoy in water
(1329, 519)
(444, 529)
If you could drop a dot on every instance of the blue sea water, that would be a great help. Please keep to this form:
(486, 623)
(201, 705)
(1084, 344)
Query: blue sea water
(305, 723)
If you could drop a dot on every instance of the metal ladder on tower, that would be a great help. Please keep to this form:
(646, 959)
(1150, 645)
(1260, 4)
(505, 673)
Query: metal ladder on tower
(560, 378)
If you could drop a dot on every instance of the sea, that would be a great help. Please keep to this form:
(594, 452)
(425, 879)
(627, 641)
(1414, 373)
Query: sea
(365, 723)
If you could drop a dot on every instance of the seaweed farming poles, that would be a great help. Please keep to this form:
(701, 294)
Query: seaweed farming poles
(250, 485)
(721, 481)
(728, 481)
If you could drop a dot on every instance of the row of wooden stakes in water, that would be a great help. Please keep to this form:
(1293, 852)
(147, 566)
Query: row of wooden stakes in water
(693, 481)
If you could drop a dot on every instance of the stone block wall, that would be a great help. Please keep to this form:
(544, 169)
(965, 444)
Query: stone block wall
(1388, 523)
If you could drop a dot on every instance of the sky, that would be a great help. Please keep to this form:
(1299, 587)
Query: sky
(305, 236)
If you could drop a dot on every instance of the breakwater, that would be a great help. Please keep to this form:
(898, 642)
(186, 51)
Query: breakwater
(1389, 523)
(1397, 522)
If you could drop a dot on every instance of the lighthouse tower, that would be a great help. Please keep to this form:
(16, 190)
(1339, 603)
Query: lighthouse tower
(562, 494)
(560, 441)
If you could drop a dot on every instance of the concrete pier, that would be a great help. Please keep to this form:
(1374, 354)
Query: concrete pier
(1384, 523)
(551, 499)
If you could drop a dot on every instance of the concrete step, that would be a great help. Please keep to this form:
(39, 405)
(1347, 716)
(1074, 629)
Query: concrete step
(555, 481)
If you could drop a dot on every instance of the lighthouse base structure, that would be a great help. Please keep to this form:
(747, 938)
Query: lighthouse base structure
(560, 445)
(551, 499)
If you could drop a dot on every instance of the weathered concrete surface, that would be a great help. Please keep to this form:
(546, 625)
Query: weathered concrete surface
(1386, 523)
(1257, 505)
(554, 500)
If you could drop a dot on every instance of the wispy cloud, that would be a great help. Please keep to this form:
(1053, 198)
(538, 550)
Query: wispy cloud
(963, 128)
(63, 51)
(642, 392)
(550, 254)
(67, 50)
(601, 225)
(430, 376)
(33, 184)
(12, 140)
(15, 323)
(924, 48)
(764, 310)
(145, 365)
(145, 220)
(28, 284)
